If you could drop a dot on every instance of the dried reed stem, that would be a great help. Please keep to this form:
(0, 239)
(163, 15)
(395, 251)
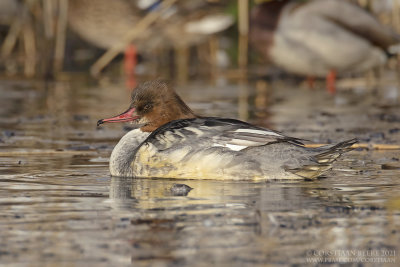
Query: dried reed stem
(30, 49)
(61, 35)
(11, 38)
(243, 7)
(45, 152)
(48, 18)
(363, 145)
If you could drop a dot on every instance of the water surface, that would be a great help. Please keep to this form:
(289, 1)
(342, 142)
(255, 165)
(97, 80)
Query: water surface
(60, 207)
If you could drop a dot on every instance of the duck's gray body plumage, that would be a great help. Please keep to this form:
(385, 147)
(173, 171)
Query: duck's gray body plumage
(215, 148)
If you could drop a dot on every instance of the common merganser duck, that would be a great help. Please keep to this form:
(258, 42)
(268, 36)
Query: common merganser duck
(173, 142)
(320, 37)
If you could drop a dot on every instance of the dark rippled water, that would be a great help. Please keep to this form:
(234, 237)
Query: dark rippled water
(60, 207)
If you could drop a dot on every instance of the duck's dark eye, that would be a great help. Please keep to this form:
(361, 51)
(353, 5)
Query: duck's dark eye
(147, 107)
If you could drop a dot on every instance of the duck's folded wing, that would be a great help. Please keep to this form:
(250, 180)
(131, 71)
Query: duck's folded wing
(237, 136)
(216, 132)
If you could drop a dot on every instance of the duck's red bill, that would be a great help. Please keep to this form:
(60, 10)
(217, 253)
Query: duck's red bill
(129, 115)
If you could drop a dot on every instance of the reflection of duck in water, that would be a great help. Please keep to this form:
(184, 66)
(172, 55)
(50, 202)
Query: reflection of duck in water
(318, 38)
(121, 188)
(148, 191)
(156, 193)
(173, 142)
(167, 193)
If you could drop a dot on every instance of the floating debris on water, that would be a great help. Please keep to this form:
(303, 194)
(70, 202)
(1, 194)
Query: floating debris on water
(180, 189)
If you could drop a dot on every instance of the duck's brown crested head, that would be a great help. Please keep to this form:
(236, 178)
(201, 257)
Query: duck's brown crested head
(154, 103)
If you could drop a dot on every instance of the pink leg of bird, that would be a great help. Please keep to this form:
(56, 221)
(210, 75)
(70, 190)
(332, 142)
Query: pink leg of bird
(311, 82)
(130, 61)
(331, 82)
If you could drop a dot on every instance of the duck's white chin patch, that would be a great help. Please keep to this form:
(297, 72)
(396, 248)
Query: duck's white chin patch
(142, 121)
(139, 123)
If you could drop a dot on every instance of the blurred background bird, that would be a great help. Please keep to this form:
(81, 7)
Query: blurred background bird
(319, 38)
(105, 23)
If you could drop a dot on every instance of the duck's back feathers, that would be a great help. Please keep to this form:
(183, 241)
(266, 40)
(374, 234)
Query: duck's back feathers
(219, 132)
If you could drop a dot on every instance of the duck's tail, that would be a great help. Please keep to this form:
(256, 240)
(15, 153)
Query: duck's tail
(322, 161)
